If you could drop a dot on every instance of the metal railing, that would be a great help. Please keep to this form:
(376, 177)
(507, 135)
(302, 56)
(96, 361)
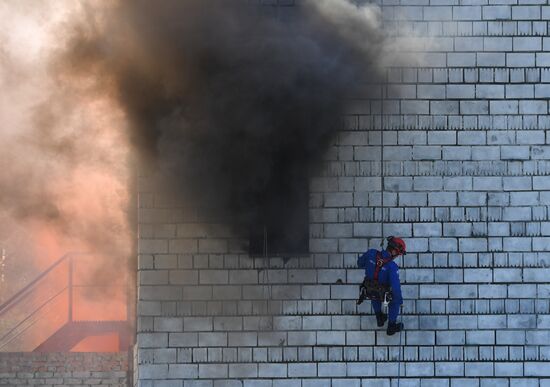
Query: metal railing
(59, 296)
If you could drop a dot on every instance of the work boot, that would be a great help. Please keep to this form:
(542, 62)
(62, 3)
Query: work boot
(381, 319)
(394, 327)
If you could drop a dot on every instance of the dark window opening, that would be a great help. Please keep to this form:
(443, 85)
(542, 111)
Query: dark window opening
(281, 225)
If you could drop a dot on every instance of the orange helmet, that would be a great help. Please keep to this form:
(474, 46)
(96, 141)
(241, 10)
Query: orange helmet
(397, 244)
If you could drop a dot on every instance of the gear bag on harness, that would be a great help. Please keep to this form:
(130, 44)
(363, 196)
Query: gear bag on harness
(371, 288)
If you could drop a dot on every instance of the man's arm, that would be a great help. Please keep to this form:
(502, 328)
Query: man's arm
(396, 285)
(362, 261)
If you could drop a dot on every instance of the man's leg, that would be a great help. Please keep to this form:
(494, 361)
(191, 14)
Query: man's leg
(377, 306)
(380, 317)
(393, 311)
(393, 325)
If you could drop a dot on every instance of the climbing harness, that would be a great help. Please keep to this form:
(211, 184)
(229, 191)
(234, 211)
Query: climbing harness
(373, 290)
(386, 302)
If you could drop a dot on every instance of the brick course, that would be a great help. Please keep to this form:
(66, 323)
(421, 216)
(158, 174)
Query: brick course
(64, 369)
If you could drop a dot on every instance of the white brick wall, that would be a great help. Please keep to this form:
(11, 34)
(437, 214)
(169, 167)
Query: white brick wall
(68, 369)
(466, 182)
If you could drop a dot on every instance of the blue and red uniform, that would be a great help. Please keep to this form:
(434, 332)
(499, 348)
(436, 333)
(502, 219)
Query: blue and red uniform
(388, 274)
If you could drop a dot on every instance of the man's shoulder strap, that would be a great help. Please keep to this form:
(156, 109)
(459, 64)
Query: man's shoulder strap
(380, 261)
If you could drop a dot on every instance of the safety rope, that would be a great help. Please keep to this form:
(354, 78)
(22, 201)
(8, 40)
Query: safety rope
(382, 168)
(399, 356)
(382, 174)
(382, 178)
(265, 267)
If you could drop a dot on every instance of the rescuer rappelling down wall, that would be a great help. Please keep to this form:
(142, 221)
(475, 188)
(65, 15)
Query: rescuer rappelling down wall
(381, 284)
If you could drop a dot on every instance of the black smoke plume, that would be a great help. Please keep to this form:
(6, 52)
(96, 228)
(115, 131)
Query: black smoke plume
(234, 101)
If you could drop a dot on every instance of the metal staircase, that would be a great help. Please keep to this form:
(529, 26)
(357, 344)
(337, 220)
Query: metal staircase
(63, 306)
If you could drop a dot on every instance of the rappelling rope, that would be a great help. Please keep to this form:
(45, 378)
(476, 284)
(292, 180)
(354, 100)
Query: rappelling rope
(382, 216)
(384, 304)
(265, 280)
(399, 356)
(382, 171)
